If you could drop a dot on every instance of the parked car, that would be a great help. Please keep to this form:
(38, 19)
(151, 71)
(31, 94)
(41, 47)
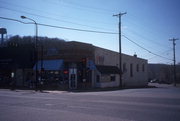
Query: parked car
(154, 81)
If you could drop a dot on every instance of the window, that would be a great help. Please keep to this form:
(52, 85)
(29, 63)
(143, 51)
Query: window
(113, 78)
(143, 69)
(137, 67)
(56, 72)
(131, 70)
(97, 78)
(124, 67)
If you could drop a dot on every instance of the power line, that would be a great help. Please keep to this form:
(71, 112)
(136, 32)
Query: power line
(145, 48)
(81, 7)
(147, 39)
(50, 13)
(84, 30)
(87, 6)
(161, 53)
(70, 22)
(11, 19)
(75, 29)
(144, 27)
(61, 27)
(20, 11)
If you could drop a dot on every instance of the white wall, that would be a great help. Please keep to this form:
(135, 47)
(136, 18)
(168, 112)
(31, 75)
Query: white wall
(111, 58)
(106, 57)
(107, 83)
(139, 78)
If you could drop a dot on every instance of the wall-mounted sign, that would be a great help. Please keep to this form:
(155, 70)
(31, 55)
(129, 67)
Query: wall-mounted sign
(100, 60)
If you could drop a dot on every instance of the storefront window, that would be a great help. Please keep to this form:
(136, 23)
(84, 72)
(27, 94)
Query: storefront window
(113, 78)
(97, 78)
(56, 72)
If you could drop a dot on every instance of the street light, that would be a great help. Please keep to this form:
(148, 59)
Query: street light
(36, 49)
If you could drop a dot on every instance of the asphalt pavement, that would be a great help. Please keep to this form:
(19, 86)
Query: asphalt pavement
(151, 104)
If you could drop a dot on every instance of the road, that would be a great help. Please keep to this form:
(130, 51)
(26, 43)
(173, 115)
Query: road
(152, 104)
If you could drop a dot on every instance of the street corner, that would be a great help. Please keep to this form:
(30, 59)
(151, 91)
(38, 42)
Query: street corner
(54, 91)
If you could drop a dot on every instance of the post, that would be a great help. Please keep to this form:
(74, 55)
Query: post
(174, 58)
(36, 47)
(120, 53)
(42, 69)
(36, 50)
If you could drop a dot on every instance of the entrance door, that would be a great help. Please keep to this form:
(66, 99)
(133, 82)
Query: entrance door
(72, 78)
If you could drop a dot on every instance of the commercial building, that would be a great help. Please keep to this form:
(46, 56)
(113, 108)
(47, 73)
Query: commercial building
(75, 65)
(89, 66)
(134, 69)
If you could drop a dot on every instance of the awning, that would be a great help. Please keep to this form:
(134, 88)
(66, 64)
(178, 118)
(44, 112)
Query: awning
(108, 69)
(50, 65)
(91, 65)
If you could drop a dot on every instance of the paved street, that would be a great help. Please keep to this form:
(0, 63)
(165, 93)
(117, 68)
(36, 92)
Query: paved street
(152, 104)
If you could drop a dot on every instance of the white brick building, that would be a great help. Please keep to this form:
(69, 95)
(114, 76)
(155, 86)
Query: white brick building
(134, 69)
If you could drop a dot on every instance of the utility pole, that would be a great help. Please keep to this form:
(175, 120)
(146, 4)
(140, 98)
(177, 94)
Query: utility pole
(174, 58)
(120, 54)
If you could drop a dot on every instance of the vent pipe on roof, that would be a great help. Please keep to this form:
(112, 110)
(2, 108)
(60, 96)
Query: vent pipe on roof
(135, 55)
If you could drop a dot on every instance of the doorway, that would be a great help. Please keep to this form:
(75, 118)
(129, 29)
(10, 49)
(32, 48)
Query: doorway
(72, 78)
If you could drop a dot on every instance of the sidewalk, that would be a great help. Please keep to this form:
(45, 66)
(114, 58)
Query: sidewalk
(164, 85)
(178, 85)
(33, 91)
(150, 85)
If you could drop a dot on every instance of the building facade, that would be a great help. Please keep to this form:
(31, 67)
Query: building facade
(76, 65)
(89, 66)
(134, 69)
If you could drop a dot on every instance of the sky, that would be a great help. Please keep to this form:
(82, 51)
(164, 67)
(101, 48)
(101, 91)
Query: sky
(148, 24)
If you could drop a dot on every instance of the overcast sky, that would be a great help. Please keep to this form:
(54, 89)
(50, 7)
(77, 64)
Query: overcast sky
(148, 23)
